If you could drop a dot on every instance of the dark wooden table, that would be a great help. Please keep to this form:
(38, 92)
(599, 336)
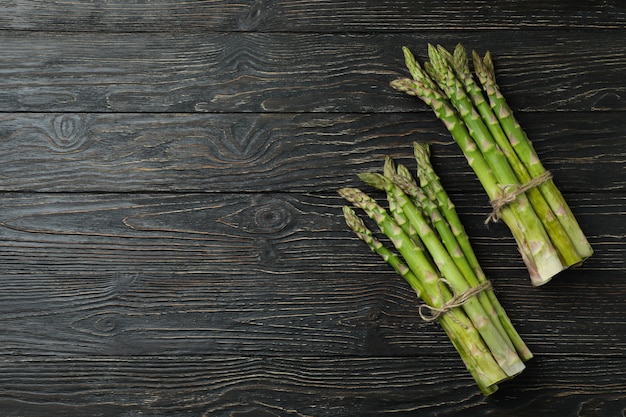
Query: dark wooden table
(172, 242)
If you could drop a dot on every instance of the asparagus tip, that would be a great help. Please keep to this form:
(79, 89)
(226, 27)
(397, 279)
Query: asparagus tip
(389, 168)
(444, 53)
(460, 59)
(404, 85)
(348, 193)
(374, 179)
(421, 152)
(488, 61)
(478, 62)
(353, 221)
(403, 171)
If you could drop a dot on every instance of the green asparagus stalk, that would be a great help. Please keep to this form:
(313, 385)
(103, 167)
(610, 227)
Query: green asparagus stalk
(489, 372)
(414, 256)
(388, 170)
(444, 111)
(434, 263)
(428, 204)
(356, 224)
(467, 342)
(495, 158)
(450, 242)
(559, 237)
(397, 214)
(488, 163)
(500, 346)
(524, 149)
(453, 228)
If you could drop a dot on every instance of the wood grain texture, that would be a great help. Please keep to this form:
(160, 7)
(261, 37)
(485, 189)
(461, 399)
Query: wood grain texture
(266, 274)
(307, 15)
(236, 386)
(287, 72)
(171, 240)
(73, 152)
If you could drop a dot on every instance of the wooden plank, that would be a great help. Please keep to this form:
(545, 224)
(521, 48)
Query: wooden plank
(307, 15)
(203, 226)
(229, 386)
(171, 239)
(277, 152)
(290, 72)
(265, 274)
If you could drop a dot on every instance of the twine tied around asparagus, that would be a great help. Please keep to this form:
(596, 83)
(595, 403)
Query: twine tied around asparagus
(511, 192)
(457, 300)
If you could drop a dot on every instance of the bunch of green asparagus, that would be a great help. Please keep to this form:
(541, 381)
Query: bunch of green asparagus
(522, 192)
(433, 254)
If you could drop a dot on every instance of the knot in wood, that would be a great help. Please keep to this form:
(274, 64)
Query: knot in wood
(105, 325)
(68, 132)
(271, 217)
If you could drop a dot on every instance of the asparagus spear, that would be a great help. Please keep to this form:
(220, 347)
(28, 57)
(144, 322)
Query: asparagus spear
(559, 237)
(428, 203)
(524, 149)
(356, 224)
(388, 171)
(540, 257)
(448, 116)
(489, 372)
(414, 256)
(452, 225)
(451, 244)
(492, 153)
(500, 346)
(467, 342)
(476, 324)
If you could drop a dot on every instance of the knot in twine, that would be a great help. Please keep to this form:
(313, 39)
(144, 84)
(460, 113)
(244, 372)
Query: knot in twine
(457, 300)
(511, 192)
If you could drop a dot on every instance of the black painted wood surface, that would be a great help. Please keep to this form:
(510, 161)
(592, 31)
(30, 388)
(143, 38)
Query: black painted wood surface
(172, 244)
